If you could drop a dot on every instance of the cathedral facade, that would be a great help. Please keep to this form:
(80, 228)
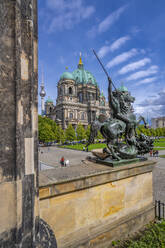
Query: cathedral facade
(79, 99)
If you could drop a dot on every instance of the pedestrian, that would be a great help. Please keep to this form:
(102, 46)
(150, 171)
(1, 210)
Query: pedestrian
(62, 160)
(154, 153)
(66, 163)
(87, 149)
(157, 153)
(83, 149)
(151, 153)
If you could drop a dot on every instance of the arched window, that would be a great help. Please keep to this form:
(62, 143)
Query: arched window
(61, 90)
(71, 116)
(70, 91)
(80, 97)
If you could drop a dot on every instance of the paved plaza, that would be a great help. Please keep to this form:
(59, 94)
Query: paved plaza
(52, 156)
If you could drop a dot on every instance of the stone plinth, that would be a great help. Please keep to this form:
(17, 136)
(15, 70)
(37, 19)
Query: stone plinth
(95, 204)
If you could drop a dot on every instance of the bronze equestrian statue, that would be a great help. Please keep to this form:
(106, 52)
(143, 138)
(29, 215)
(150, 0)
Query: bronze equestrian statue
(121, 125)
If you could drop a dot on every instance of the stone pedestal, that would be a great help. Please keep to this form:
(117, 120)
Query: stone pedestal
(91, 205)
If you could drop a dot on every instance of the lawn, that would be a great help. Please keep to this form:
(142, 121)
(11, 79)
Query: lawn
(99, 145)
(160, 142)
(162, 156)
(80, 146)
(159, 149)
(152, 237)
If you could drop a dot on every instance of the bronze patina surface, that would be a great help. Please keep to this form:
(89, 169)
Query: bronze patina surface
(119, 130)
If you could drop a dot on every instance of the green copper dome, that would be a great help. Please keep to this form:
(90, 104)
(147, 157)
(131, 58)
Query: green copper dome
(82, 76)
(123, 88)
(49, 100)
(67, 75)
(102, 94)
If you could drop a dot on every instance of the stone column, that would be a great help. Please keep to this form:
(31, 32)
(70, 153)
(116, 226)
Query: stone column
(20, 222)
(18, 125)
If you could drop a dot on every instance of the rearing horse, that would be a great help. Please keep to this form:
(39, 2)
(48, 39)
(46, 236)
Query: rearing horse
(122, 123)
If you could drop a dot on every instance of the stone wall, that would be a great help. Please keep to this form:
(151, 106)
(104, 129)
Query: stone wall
(18, 122)
(92, 210)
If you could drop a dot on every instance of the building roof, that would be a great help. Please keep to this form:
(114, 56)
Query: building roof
(123, 88)
(67, 75)
(49, 100)
(80, 75)
(102, 94)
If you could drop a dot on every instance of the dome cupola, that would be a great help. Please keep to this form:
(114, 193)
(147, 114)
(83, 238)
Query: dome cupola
(82, 76)
(49, 100)
(67, 75)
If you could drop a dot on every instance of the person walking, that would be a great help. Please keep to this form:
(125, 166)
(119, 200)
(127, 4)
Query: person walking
(66, 163)
(62, 161)
(157, 153)
(151, 153)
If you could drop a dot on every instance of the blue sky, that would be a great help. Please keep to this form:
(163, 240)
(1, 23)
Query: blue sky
(129, 37)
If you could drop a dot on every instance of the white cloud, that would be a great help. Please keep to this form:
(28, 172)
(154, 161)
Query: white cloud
(134, 66)
(107, 22)
(68, 13)
(153, 106)
(118, 43)
(122, 57)
(146, 81)
(111, 19)
(140, 74)
(115, 45)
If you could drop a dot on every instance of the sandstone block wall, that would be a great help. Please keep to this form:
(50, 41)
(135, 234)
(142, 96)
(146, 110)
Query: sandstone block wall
(97, 209)
(18, 122)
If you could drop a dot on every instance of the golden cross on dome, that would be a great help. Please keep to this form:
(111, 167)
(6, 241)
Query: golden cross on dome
(80, 60)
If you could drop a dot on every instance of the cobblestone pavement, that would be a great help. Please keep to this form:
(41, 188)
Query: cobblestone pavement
(159, 178)
(52, 156)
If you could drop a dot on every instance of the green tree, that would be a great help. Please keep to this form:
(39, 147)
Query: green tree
(80, 132)
(47, 129)
(45, 133)
(60, 135)
(88, 132)
(70, 133)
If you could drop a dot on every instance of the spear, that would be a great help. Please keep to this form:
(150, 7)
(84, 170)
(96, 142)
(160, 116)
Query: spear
(109, 79)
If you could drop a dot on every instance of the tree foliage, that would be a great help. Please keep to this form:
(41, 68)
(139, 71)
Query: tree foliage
(88, 132)
(60, 135)
(49, 131)
(80, 132)
(158, 132)
(46, 129)
(70, 133)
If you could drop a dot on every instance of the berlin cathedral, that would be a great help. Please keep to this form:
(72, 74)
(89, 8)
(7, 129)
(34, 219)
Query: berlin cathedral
(79, 99)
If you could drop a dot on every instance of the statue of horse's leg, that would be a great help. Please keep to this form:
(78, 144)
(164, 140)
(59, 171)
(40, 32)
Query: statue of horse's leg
(113, 153)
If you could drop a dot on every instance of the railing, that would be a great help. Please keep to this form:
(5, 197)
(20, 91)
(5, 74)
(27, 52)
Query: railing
(159, 210)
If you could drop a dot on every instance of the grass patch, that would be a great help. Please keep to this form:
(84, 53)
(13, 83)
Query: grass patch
(159, 148)
(80, 146)
(161, 143)
(95, 146)
(152, 237)
(162, 156)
